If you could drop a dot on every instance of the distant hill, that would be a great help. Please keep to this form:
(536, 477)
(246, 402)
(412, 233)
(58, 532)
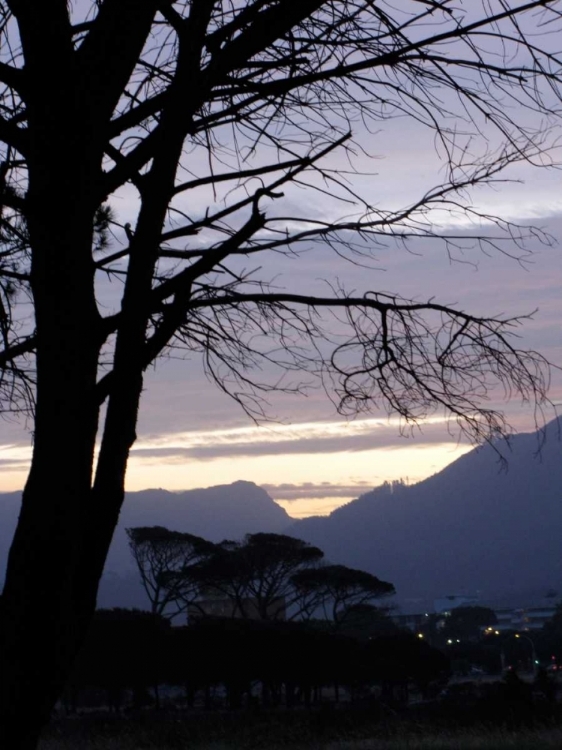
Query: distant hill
(215, 513)
(472, 527)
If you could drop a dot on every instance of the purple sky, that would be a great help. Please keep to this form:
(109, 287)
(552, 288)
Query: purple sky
(311, 460)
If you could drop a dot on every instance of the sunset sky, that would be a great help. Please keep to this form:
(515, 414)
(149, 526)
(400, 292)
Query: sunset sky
(308, 458)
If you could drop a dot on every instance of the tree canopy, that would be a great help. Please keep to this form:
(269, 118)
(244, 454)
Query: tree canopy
(339, 588)
(265, 576)
(255, 575)
(161, 556)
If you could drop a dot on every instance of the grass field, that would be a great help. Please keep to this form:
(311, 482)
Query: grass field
(220, 733)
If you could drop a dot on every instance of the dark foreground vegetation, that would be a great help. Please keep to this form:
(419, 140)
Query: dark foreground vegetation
(140, 683)
(133, 659)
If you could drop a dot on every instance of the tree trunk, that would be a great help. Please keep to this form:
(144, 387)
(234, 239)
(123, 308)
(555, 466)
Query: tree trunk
(57, 559)
(67, 522)
(41, 628)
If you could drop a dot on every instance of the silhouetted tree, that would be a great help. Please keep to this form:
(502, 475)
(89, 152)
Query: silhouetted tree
(256, 575)
(365, 621)
(272, 560)
(161, 557)
(338, 589)
(124, 649)
(397, 659)
(285, 661)
(205, 111)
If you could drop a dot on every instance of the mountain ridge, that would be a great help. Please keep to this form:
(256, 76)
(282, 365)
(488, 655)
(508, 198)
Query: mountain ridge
(215, 513)
(469, 528)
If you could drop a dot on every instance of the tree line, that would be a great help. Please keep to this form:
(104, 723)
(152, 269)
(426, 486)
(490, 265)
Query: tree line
(130, 656)
(232, 662)
(265, 576)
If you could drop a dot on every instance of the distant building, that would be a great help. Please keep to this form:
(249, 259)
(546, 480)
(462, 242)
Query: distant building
(525, 618)
(508, 618)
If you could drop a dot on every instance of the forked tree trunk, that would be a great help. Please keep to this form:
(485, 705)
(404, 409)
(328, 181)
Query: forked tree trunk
(49, 594)
(68, 517)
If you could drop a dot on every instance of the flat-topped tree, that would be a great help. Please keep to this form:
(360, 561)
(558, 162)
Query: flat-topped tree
(161, 555)
(206, 112)
(337, 590)
(256, 575)
(271, 560)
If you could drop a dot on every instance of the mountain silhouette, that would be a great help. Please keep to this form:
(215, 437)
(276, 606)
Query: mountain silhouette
(478, 526)
(215, 513)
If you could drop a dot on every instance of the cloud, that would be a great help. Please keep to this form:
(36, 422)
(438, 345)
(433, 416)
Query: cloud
(14, 464)
(311, 438)
(484, 281)
(14, 456)
(312, 491)
(183, 416)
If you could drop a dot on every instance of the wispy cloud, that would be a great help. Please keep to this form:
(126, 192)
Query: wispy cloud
(312, 491)
(14, 457)
(13, 464)
(311, 437)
